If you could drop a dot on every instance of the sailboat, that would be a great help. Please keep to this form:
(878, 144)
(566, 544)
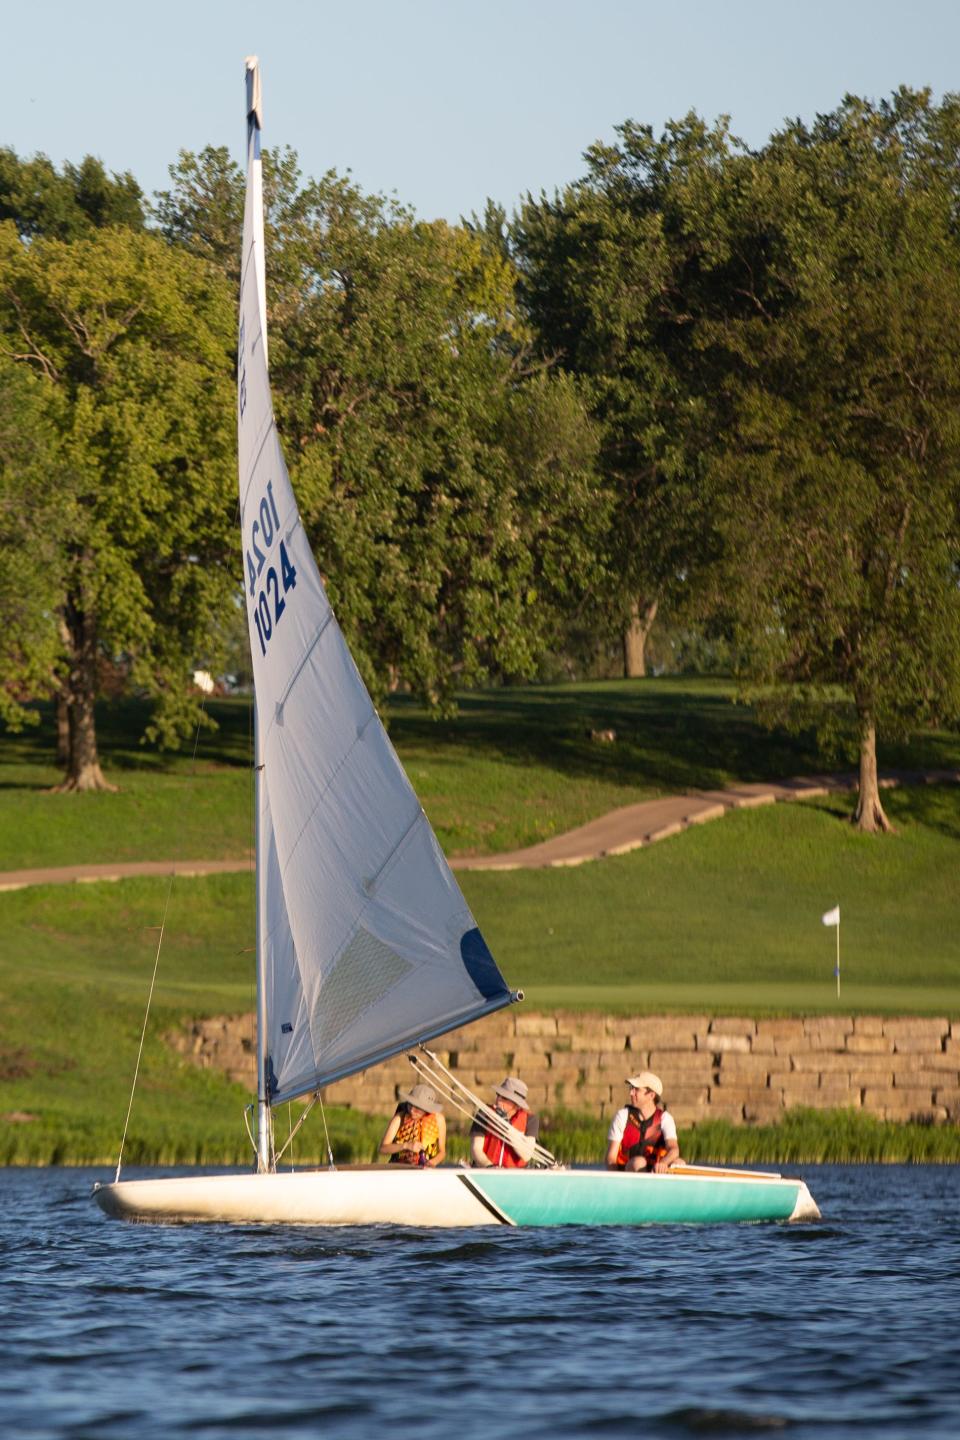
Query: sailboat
(365, 945)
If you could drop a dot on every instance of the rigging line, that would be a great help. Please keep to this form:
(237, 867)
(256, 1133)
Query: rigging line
(326, 1133)
(473, 1108)
(494, 1123)
(156, 966)
(306, 1111)
(487, 1118)
(314, 1099)
(143, 1032)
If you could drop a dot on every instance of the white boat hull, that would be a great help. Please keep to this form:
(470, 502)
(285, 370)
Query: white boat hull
(454, 1198)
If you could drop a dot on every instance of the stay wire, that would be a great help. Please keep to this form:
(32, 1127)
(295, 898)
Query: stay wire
(153, 978)
(143, 1032)
(315, 1098)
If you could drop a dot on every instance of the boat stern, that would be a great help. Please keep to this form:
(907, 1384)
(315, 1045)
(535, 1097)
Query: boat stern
(806, 1207)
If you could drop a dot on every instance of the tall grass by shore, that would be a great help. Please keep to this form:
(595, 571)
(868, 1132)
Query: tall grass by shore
(803, 1137)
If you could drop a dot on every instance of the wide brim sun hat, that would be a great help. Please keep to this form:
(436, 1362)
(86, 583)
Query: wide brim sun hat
(424, 1099)
(513, 1089)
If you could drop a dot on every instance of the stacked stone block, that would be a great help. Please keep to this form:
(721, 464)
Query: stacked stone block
(721, 1067)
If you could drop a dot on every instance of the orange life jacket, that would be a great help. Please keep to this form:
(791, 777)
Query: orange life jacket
(642, 1137)
(499, 1153)
(424, 1131)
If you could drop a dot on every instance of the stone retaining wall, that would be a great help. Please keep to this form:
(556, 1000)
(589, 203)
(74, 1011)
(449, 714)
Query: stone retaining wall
(742, 1070)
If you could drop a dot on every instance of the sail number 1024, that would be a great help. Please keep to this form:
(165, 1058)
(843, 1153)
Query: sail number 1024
(269, 605)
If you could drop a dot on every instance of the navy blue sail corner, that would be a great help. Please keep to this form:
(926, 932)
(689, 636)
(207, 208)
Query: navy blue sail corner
(481, 966)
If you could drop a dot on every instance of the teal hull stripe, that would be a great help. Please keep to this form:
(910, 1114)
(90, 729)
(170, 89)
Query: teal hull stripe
(527, 1197)
(485, 1201)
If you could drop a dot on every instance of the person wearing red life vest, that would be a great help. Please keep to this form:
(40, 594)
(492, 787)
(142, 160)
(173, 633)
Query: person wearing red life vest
(488, 1150)
(643, 1134)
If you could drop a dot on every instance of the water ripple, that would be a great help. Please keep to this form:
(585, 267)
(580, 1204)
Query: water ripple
(841, 1329)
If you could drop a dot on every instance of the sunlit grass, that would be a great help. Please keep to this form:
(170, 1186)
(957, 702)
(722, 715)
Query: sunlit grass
(723, 918)
(515, 767)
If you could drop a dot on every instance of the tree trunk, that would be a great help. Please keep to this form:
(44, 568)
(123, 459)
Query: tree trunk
(63, 729)
(635, 637)
(870, 815)
(83, 762)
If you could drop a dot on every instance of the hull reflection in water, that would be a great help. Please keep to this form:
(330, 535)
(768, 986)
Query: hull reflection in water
(458, 1197)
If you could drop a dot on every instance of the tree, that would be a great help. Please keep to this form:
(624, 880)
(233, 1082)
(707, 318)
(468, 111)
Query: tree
(31, 534)
(67, 205)
(446, 483)
(130, 343)
(610, 280)
(837, 470)
(449, 492)
(202, 212)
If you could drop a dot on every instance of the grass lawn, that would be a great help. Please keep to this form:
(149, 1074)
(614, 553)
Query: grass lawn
(725, 916)
(514, 768)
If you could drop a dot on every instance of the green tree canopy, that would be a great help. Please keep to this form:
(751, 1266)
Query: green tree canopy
(611, 281)
(68, 204)
(837, 465)
(446, 483)
(31, 536)
(130, 343)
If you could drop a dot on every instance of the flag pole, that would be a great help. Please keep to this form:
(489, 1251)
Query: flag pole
(838, 959)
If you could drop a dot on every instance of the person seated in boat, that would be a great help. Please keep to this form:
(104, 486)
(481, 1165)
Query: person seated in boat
(510, 1102)
(643, 1135)
(417, 1134)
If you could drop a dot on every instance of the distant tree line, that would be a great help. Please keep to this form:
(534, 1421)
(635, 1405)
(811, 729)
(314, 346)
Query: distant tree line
(701, 378)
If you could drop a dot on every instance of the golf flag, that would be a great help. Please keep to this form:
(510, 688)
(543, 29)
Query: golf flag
(832, 917)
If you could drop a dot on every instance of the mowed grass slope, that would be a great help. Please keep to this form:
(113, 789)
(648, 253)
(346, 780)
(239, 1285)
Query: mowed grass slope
(515, 767)
(723, 917)
(726, 916)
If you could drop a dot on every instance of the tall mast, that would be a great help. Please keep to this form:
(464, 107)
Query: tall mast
(265, 1160)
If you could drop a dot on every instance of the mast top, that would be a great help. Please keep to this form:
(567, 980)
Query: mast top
(254, 93)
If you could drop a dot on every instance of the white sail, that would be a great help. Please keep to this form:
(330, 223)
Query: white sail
(367, 943)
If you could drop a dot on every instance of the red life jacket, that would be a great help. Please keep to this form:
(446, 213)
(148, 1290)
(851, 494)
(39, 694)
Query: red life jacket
(642, 1137)
(499, 1153)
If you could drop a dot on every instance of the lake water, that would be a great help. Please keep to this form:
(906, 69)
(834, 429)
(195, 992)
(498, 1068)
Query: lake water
(848, 1327)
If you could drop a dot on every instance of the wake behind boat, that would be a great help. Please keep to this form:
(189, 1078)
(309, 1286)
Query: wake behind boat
(365, 945)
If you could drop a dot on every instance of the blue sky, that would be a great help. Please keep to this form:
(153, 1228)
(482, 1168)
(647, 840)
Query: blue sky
(444, 104)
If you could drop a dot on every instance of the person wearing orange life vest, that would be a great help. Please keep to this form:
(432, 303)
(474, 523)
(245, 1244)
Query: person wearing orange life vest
(417, 1133)
(488, 1150)
(643, 1134)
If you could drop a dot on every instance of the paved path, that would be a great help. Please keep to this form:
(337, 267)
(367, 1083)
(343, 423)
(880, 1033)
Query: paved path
(616, 833)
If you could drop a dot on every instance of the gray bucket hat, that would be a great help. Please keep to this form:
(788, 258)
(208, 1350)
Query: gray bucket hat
(424, 1099)
(513, 1089)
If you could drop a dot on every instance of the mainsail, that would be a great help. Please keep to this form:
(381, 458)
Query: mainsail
(365, 942)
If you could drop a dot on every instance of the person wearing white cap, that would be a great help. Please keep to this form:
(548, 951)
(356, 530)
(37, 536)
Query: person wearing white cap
(643, 1135)
(489, 1150)
(417, 1134)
